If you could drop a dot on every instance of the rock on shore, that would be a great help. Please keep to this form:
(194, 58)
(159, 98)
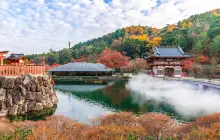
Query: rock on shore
(25, 94)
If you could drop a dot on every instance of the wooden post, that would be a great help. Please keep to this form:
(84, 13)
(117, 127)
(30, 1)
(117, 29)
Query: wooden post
(1, 59)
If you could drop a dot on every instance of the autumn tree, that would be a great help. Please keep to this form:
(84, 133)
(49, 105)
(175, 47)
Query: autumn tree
(188, 64)
(143, 37)
(112, 58)
(156, 41)
(117, 44)
(139, 64)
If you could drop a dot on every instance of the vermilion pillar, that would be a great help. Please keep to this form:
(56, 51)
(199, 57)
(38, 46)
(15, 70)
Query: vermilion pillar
(1, 59)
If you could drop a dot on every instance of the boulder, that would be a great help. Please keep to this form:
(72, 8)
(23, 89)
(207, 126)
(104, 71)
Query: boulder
(2, 94)
(43, 90)
(30, 95)
(44, 103)
(45, 77)
(9, 101)
(22, 90)
(33, 87)
(14, 91)
(3, 105)
(54, 99)
(48, 91)
(39, 97)
(38, 87)
(27, 79)
(1, 81)
(3, 113)
(8, 83)
(25, 107)
(38, 106)
(49, 104)
(40, 80)
(28, 86)
(46, 83)
(17, 98)
(31, 105)
(13, 110)
(47, 98)
(18, 81)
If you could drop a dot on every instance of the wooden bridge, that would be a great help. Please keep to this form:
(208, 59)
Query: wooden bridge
(21, 69)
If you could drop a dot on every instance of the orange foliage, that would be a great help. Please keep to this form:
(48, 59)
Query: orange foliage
(112, 58)
(215, 12)
(155, 41)
(171, 27)
(56, 127)
(186, 25)
(203, 59)
(204, 128)
(155, 30)
(140, 37)
(119, 126)
(133, 30)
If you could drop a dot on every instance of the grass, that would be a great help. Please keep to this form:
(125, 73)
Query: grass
(19, 134)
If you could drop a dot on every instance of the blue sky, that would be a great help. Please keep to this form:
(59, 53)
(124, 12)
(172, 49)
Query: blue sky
(35, 26)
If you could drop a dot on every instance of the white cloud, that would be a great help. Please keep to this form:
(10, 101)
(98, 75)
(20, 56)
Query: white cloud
(35, 26)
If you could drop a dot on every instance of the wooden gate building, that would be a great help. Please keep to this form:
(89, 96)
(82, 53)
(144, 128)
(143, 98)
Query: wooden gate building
(166, 61)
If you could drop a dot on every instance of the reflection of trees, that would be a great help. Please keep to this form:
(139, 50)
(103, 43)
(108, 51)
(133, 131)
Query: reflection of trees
(115, 97)
(117, 93)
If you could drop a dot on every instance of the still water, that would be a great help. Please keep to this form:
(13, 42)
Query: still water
(85, 102)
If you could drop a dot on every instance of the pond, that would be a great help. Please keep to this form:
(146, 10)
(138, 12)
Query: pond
(85, 102)
(183, 101)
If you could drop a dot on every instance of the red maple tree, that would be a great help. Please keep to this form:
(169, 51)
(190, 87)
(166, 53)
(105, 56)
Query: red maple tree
(188, 64)
(112, 58)
(203, 59)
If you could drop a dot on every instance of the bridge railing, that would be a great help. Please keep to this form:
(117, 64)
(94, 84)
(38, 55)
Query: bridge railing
(19, 69)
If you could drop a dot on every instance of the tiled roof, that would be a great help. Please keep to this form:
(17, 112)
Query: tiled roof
(15, 56)
(82, 67)
(169, 52)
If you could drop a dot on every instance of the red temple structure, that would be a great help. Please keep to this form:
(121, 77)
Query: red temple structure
(16, 59)
(166, 61)
(2, 57)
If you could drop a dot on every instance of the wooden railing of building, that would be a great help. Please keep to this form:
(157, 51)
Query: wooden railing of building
(18, 70)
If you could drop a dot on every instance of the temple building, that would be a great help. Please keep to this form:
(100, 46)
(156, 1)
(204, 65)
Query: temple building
(81, 69)
(16, 59)
(2, 53)
(166, 61)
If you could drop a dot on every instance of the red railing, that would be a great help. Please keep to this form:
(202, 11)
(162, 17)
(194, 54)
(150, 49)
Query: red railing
(18, 70)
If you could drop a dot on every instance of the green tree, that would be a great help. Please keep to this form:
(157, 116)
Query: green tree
(65, 56)
(202, 43)
(215, 46)
(52, 57)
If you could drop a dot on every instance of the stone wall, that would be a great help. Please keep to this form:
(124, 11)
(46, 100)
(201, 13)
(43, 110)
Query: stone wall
(25, 94)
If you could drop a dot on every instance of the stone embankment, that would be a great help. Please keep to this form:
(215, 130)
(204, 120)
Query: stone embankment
(25, 94)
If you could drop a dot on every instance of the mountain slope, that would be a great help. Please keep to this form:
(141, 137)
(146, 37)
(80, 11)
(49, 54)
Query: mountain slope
(198, 34)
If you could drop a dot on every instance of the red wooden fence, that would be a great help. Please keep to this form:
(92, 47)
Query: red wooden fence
(18, 70)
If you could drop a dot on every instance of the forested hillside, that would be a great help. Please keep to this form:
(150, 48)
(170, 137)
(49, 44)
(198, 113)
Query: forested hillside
(199, 34)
